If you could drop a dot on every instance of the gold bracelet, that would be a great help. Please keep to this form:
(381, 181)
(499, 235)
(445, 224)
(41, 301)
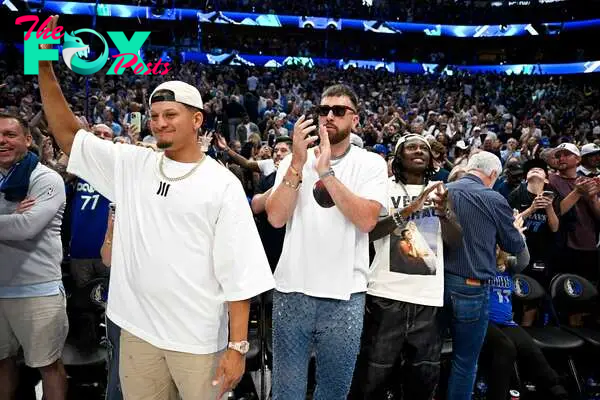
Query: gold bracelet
(294, 171)
(291, 185)
(108, 242)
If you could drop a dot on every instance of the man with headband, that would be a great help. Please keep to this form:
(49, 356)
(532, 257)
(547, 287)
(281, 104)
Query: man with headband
(406, 286)
(186, 254)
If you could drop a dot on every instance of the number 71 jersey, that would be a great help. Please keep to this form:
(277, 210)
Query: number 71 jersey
(89, 216)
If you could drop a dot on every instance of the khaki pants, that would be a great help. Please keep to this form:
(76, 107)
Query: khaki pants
(150, 373)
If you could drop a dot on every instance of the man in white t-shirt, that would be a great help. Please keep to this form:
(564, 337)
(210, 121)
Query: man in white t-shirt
(406, 285)
(329, 198)
(186, 255)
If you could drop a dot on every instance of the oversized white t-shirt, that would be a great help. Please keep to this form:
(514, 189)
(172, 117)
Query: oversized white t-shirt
(324, 254)
(181, 250)
(409, 263)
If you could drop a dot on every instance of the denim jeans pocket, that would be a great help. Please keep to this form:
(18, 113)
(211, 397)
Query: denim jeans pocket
(467, 308)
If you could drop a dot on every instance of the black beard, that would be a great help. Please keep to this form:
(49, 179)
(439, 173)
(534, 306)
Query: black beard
(164, 145)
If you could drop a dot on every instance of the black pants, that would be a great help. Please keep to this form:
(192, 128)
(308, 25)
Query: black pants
(505, 344)
(400, 351)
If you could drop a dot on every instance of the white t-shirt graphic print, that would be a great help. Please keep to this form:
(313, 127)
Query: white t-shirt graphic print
(409, 263)
(181, 250)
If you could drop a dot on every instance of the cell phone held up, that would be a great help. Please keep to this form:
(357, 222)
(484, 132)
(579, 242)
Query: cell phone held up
(548, 193)
(312, 114)
(136, 120)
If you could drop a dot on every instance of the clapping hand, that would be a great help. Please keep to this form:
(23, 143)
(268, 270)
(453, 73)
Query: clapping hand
(323, 152)
(587, 186)
(204, 141)
(440, 200)
(221, 143)
(518, 223)
(418, 203)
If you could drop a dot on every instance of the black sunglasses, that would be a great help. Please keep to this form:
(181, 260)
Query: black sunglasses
(338, 111)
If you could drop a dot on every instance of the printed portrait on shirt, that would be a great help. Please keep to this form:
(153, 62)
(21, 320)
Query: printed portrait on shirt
(413, 248)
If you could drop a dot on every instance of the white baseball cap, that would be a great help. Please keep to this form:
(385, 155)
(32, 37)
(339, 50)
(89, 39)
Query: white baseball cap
(570, 147)
(181, 92)
(590, 148)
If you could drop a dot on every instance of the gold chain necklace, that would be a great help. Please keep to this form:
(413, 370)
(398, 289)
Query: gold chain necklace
(180, 178)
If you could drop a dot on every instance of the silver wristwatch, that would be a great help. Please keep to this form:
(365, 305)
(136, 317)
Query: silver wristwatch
(241, 347)
(330, 172)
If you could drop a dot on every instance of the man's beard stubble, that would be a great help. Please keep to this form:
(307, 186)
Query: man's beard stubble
(338, 136)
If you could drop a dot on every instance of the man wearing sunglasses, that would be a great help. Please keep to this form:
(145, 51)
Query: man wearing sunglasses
(329, 197)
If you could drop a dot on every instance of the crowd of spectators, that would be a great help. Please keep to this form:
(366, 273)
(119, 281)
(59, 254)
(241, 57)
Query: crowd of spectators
(549, 109)
(249, 111)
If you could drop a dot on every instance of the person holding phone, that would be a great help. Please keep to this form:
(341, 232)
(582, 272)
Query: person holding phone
(538, 204)
(329, 197)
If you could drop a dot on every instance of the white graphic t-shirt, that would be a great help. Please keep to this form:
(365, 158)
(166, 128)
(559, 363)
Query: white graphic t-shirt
(409, 263)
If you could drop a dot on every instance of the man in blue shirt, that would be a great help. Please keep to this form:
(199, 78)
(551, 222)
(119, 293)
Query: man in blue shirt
(486, 220)
(89, 216)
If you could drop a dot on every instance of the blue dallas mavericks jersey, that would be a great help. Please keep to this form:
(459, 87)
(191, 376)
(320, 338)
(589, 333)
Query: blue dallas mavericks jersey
(501, 288)
(89, 221)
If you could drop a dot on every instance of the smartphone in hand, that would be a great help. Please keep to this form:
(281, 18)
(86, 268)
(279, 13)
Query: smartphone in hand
(548, 193)
(136, 120)
(312, 114)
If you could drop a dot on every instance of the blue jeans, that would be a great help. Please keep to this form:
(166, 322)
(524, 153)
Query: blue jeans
(113, 333)
(331, 328)
(466, 313)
